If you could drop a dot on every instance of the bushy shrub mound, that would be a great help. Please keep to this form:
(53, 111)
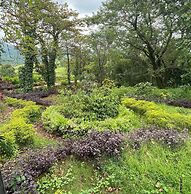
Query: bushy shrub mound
(78, 112)
(157, 115)
(55, 122)
(17, 103)
(169, 137)
(97, 144)
(20, 175)
(18, 131)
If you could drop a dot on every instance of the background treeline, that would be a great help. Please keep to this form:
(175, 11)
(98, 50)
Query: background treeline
(131, 41)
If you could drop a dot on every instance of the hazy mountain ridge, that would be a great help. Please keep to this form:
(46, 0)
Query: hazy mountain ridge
(11, 55)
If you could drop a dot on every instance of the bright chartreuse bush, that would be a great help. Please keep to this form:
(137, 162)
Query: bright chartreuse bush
(159, 115)
(98, 110)
(14, 80)
(17, 103)
(23, 132)
(17, 132)
(152, 169)
(54, 121)
(125, 121)
(7, 144)
(30, 113)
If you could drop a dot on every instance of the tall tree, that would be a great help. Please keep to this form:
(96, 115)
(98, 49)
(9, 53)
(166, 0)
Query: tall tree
(148, 26)
(100, 43)
(55, 20)
(19, 26)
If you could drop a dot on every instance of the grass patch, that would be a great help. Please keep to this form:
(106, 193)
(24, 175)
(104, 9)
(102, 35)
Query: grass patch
(152, 169)
(70, 176)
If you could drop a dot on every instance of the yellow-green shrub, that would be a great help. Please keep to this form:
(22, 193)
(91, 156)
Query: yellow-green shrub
(17, 103)
(8, 144)
(156, 115)
(22, 131)
(18, 131)
(54, 121)
(30, 113)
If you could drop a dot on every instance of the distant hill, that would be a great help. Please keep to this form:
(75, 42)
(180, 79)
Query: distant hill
(11, 55)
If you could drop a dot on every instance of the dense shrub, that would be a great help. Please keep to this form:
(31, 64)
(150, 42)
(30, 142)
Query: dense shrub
(30, 113)
(125, 121)
(170, 137)
(19, 127)
(96, 144)
(101, 104)
(20, 174)
(80, 112)
(17, 103)
(7, 143)
(7, 70)
(13, 80)
(55, 122)
(22, 131)
(157, 115)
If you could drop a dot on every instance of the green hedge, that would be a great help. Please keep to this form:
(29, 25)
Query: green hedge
(157, 115)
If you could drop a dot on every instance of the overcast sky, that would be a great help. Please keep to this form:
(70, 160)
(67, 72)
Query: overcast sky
(84, 7)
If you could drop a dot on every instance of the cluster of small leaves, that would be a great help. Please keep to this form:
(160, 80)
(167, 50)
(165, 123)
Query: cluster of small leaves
(180, 103)
(101, 104)
(96, 144)
(173, 102)
(169, 137)
(20, 174)
(5, 85)
(35, 96)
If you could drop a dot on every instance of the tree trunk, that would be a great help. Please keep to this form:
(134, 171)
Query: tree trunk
(69, 70)
(2, 189)
(27, 73)
(51, 70)
(156, 65)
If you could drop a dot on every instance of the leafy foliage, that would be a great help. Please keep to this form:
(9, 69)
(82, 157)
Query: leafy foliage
(18, 131)
(171, 138)
(81, 112)
(157, 115)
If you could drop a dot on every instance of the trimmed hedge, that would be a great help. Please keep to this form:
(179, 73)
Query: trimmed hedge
(156, 115)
